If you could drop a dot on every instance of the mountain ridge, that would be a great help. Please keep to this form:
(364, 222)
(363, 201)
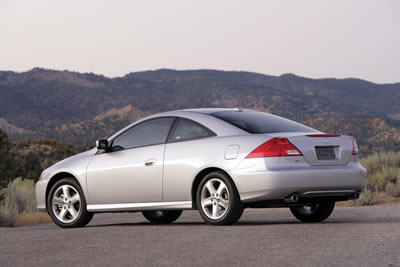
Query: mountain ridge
(63, 105)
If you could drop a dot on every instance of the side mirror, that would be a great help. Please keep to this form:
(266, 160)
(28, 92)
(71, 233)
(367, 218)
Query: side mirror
(102, 145)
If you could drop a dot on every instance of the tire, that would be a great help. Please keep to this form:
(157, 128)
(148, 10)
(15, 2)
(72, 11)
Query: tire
(218, 201)
(316, 212)
(162, 216)
(66, 204)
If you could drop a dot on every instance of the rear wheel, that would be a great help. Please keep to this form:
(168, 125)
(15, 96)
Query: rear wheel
(316, 212)
(162, 216)
(66, 204)
(218, 200)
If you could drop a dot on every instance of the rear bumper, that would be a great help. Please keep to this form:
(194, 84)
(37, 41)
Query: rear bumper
(257, 183)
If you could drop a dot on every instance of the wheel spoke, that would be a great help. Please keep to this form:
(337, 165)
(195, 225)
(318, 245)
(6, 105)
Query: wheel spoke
(223, 203)
(221, 188)
(65, 191)
(206, 202)
(63, 213)
(214, 211)
(210, 187)
(75, 198)
(73, 212)
(58, 201)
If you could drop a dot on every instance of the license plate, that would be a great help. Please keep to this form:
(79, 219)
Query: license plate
(325, 153)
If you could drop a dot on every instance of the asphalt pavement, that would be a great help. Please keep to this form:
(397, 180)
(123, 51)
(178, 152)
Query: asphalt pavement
(357, 236)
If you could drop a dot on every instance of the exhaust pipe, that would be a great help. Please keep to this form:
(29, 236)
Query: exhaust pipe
(294, 198)
(356, 195)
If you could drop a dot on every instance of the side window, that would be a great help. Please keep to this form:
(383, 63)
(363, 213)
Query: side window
(189, 130)
(148, 133)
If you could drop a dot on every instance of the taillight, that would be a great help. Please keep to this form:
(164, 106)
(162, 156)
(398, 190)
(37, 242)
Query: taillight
(276, 147)
(355, 148)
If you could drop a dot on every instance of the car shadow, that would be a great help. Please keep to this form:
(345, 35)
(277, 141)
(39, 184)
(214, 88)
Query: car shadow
(258, 222)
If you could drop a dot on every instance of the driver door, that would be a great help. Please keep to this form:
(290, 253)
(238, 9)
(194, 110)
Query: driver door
(132, 171)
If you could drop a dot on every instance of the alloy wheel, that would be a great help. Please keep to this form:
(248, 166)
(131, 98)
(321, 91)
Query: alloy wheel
(215, 198)
(66, 203)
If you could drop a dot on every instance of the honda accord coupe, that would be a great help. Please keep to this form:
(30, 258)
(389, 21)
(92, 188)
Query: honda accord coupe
(218, 161)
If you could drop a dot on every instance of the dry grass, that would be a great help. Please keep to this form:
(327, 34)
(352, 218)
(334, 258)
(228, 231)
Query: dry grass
(371, 199)
(27, 218)
(17, 198)
(383, 186)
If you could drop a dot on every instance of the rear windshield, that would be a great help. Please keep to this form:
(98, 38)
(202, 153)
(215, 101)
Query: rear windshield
(259, 122)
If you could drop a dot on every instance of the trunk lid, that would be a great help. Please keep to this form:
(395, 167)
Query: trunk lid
(321, 149)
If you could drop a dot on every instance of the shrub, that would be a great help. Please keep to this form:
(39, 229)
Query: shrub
(393, 189)
(383, 170)
(19, 196)
(376, 162)
(6, 217)
(367, 198)
(383, 177)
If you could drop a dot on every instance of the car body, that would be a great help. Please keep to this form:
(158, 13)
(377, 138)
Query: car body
(163, 173)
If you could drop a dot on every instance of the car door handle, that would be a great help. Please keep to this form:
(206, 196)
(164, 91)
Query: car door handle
(150, 162)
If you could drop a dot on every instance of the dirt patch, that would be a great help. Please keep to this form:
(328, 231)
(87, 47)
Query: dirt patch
(27, 218)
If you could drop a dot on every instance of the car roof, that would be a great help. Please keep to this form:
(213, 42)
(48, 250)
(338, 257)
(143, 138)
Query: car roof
(213, 110)
(200, 115)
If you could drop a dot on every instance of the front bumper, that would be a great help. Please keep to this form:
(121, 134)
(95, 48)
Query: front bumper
(255, 182)
(40, 193)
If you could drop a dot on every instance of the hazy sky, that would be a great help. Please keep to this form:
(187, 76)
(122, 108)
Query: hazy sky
(309, 38)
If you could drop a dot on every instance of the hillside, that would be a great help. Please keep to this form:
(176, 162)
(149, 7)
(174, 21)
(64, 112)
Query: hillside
(77, 108)
(373, 134)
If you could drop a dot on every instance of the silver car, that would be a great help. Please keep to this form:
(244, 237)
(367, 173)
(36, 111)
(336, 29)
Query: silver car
(218, 161)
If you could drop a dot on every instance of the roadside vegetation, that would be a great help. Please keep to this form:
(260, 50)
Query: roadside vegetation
(17, 195)
(383, 179)
(18, 204)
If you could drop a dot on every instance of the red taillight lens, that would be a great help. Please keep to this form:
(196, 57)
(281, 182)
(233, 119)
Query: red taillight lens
(355, 148)
(276, 147)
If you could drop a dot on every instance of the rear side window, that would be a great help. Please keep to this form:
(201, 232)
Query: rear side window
(259, 122)
(185, 130)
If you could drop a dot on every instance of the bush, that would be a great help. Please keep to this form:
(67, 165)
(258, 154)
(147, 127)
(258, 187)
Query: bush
(19, 196)
(393, 189)
(383, 177)
(7, 219)
(367, 198)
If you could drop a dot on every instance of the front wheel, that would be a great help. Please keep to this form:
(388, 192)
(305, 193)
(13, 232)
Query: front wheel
(162, 216)
(66, 204)
(218, 200)
(316, 212)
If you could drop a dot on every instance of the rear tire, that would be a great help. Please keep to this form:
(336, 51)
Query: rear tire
(218, 201)
(66, 204)
(162, 216)
(316, 212)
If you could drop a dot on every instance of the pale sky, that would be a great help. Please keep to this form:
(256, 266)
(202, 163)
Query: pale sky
(314, 39)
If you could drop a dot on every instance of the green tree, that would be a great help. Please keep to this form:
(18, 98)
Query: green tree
(7, 161)
(32, 166)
